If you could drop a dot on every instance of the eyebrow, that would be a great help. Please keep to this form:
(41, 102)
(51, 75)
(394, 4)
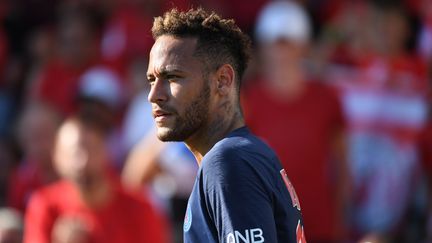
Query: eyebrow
(164, 72)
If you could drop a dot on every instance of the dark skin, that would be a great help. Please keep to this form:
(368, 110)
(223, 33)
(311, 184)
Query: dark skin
(178, 95)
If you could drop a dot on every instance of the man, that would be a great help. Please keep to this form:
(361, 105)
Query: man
(37, 126)
(241, 193)
(301, 117)
(89, 204)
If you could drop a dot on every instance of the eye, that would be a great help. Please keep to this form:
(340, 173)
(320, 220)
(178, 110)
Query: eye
(172, 77)
(151, 80)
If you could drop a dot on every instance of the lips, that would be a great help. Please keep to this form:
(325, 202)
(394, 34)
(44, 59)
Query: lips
(161, 115)
(157, 113)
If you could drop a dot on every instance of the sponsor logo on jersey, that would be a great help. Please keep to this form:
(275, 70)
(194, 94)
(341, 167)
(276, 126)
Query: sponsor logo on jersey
(188, 219)
(301, 238)
(248, 236)
(292, 192)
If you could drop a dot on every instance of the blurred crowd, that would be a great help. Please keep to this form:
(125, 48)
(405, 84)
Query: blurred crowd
(340, 89)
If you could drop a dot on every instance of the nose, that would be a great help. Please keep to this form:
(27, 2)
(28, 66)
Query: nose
(81, 160)
(158, 92)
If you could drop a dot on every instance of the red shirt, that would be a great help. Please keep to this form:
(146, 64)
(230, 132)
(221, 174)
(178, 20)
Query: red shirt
(300, 131)
(126, 218)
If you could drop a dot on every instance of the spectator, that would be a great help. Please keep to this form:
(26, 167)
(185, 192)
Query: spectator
(58, 82)
(93, 205)
(301, 119)
(385, 105)
(36, 133)
(41, 48)
(102, 90)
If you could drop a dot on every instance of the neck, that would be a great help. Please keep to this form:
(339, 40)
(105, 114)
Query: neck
(47, 171)
(288, 84)
(96, 193)
(227, 120)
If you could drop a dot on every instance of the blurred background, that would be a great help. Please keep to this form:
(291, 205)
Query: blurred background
(340, 89)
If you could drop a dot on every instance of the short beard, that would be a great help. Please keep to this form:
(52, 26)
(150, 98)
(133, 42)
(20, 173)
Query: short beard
(195, 117)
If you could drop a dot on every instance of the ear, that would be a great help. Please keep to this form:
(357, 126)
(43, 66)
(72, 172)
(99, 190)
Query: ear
(225, 76)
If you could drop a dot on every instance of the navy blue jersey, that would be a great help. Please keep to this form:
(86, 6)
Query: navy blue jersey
(242, 194)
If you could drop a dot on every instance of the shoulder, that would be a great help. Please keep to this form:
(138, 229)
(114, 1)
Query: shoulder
(239, 156)
(53, 190)
(45, 202)
(239, 145)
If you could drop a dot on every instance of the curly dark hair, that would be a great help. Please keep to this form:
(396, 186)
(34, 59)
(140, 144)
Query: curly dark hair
(219, 40)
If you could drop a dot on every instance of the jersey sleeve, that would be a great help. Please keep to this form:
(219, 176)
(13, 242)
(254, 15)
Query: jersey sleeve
(238, 200)
(38, 220)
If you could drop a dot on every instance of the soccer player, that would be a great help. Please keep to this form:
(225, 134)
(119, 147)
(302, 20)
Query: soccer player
(241, 193)
(89, 204)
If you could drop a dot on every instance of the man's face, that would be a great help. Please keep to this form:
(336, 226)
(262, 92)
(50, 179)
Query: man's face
(37, 134)
(280, 57)
(180, 91)
(79, 154)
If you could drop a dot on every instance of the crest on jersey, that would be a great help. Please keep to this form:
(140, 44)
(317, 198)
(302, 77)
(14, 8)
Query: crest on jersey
(292, 192)
(188, 219)
(301, 238)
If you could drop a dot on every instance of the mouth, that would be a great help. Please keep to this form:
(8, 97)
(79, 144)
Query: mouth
(161, 116)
